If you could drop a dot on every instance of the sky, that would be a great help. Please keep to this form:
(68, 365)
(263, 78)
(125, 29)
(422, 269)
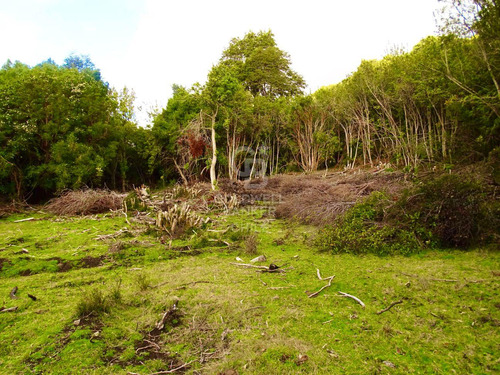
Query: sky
(148, 45)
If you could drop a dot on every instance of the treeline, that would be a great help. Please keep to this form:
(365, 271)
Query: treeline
(63, 127)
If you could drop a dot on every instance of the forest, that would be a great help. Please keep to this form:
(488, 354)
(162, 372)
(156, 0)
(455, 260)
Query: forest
(62, 127)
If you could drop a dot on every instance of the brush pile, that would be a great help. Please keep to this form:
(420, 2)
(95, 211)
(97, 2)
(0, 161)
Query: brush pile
(85, 202)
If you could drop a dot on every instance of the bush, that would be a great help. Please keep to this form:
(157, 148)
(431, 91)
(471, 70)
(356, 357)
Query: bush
(448, 210)
(362, 230)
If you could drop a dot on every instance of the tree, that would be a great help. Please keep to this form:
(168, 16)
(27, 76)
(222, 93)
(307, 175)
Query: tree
(261, 66)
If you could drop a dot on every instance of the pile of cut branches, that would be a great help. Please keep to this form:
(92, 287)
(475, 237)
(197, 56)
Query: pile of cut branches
(85, 202)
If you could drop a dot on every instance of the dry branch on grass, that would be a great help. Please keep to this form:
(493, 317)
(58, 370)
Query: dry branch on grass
(271, 269)
(23, 220)
(166, 317)
(330, 278)
(353, 297)
(389, 307)
(85, 202)
(13, 293)
(8, 309)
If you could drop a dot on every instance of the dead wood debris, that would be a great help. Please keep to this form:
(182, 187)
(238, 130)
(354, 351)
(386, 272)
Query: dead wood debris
(273, 268)
(389, 307)
(330, 278)
(353, 297)
(174, 369)
(166, 316)
(23, 220)
(8, 309)
(13, 293)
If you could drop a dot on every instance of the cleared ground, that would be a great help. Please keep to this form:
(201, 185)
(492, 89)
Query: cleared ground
(228, 318)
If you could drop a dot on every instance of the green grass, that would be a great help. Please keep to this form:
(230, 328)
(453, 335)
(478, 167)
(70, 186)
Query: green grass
(231, 317)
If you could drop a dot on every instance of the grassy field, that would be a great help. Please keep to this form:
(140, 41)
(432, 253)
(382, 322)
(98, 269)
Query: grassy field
(229, 319)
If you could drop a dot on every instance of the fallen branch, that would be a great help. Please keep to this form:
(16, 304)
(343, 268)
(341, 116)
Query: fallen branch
(250, 266)
(9, 309)
(126, 217)
(21, 220)
(161, 324)
(13, 293)
(353, 297)
(311, 295)
(389, 307)
(253, 308)
(184, 286)
(174, 369)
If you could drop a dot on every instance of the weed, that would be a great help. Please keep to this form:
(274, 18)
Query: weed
(177, 219)
(143, 282)
(92, 302)
(251, 244)
(448, 209)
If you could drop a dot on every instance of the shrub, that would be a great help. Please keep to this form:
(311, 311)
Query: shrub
(178, 219)
(448, 209)
(362, 230)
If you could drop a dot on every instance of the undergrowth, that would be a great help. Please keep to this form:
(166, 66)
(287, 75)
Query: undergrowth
(448, 212)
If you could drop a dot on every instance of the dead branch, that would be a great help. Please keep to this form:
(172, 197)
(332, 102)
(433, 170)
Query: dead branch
(13, 293)
(389, 307)
(253, 308)
(22, 220)
(161, 324)
(353, 297)
(311, 295)
(9, 309)
(32, 297)
(249, 266)
(126, 217)
(184, 286)
(174, 369)
(271, 269)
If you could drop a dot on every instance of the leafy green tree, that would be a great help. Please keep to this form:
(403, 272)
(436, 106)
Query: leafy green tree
(261, 66)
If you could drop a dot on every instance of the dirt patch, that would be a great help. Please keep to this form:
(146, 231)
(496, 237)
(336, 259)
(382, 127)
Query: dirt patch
(3, 261)
(91, 262)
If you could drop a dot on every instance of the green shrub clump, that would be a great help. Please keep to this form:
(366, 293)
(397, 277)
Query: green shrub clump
(362, 230)
(448, 211)
(452, 209)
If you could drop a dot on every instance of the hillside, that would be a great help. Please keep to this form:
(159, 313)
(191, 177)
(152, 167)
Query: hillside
(110, 293)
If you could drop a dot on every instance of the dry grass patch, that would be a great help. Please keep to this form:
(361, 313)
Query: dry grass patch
(85, 202)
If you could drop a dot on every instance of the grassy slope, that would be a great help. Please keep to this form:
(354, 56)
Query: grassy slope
(237, 318)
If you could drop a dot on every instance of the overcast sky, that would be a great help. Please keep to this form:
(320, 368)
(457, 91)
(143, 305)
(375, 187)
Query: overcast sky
(148, 45)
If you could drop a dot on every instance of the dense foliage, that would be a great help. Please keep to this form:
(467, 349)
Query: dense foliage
(63, 127)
